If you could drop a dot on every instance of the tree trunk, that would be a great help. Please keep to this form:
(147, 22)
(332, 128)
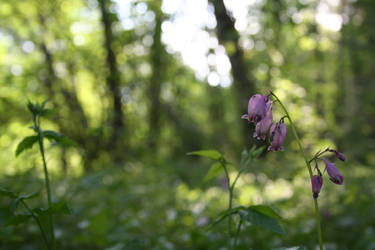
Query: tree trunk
(113, 81)
(243, 84)
(158, 56)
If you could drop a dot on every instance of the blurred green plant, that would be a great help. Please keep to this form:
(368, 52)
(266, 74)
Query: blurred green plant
(260, 215)
(38, 111)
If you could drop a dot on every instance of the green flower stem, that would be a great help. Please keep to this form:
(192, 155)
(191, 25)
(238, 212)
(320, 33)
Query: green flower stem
(223, 164)
(48, 187)
(237, 232)
(317, 214)
(38, 222)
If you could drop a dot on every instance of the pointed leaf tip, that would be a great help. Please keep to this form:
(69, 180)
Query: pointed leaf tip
(212, 154)
(26, 143)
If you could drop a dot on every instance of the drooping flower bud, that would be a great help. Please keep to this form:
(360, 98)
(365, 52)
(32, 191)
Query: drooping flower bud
(339, 155)
(333, 172)
(263, 126)
(257, 108)
(316, 183)
(277, 136)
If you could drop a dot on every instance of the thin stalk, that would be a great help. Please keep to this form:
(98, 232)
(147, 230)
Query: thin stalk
(38, 222)
(237, 232)
(317, 214)
(229, 205)
(48, 187)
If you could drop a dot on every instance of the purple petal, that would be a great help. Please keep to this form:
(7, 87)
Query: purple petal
(333, 172)
(316, 183)
(245, 116)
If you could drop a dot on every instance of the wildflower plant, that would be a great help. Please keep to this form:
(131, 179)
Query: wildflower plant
(260, 109)
(277, 133)
(39, 111)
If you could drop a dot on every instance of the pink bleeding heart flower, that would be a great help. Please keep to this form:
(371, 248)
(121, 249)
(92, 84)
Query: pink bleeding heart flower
(277, 136)
(339, 155)
(257, 108)
(262, 127)
(333, 172)
(316, 183)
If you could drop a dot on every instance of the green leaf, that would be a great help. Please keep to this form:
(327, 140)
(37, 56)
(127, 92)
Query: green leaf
(29, 196)
(17, 219)
(290, 248)
(39, 109)
(212, 154)
(60, 207)
(224, 214)
(14, 204)
(213, 172)
(26, 143)
(257, 152)
(58, 138)
(266, 210)
(7, 193)
(263, 220)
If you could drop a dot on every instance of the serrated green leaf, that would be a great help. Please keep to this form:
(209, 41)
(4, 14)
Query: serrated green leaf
(214, 171)
(17, 219)
(264, 221)
(212, 154)
(26, 143)
(266, 210)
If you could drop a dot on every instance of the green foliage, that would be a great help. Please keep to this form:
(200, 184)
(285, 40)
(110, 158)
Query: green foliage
(26, 143)
(260, 216)
(60, 207)
(143, 192)
(212, 154)
(214, 171)
(58, 138)
(17, 219)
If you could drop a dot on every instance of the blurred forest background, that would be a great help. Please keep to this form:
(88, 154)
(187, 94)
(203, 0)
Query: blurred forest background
(138, 84)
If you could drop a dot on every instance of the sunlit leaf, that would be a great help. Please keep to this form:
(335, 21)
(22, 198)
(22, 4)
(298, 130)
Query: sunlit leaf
(212, 154)
(26, 143)
(214, 171)
(290, 248)
(58, 138)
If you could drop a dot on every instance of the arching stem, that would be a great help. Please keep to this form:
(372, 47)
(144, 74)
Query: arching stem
(317, 213)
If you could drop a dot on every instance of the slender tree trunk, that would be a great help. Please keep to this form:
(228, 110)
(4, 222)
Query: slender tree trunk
(158, 61)
(113, 80)
(55, 87)
(243, 84)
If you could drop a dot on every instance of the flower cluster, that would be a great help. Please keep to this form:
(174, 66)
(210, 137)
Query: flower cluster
(330, 167)
(259, 111)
